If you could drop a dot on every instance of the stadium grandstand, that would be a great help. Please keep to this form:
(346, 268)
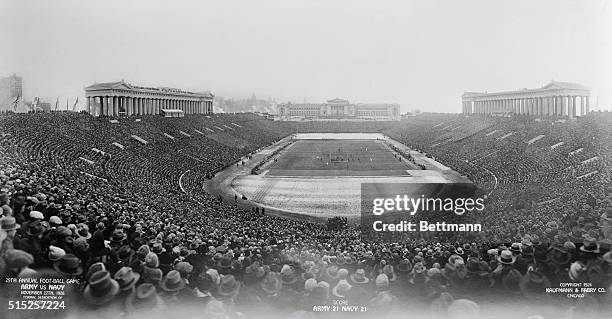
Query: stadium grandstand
(120, 206)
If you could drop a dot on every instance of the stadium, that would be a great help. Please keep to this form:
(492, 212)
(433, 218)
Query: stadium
(230, 196)
(305, 159)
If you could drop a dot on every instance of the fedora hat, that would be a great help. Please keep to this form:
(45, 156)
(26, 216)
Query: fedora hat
(69, 264)
(506, 257)
(204, 282)
(229, 286)
(83, 231)
(144, 297)
(94, 268)
(126, 278)
(151, 275)
(271, 283)
(172, 282)
(359, 277)
(101, 288)
(184, 268)
(8, 223)
(590, 245)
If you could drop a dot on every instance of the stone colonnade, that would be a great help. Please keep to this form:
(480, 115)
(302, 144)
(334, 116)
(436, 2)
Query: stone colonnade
(550, 105)
(554, 99)
(123, 99)
(132, 105)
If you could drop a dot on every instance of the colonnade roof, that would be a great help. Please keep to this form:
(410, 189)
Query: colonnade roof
(552, 86)
(122, 85)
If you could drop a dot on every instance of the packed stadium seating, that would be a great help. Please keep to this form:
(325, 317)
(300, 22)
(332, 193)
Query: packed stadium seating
(548, 214)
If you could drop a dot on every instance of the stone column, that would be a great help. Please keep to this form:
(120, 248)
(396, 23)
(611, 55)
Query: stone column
(122, 102)
(111, 106)
(587, 106)
(100, 106)
(552, 106)
(572, 106)
(565, 102)
(128, 106)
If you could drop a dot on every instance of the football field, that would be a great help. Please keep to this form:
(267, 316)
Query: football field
(338, 158)
(321, 175)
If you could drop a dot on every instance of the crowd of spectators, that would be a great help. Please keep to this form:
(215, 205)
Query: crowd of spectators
(142, 239)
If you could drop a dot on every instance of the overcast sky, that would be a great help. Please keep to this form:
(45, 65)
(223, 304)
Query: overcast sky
(421, 54)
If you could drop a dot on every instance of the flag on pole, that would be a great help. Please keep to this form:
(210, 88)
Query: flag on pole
(56, 103)
(66, 104)
(16, 102)
(75, 104)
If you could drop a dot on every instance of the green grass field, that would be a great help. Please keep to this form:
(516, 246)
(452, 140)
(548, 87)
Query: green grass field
(338, 158)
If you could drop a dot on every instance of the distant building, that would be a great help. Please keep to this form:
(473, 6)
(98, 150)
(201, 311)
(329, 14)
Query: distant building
(125, 99)
(10, 90)
(554, 99)
(339, 109)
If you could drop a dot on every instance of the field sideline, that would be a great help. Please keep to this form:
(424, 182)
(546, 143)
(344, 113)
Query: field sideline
(338, 158)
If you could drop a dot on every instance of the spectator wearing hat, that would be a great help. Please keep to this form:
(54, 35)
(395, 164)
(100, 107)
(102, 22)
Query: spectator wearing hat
(62, 237)
(384, 299)
(127, 279)
(204, 287)
(32, 243)
(8, 230)
(100, 289)
(93, 268)
(173, 286)
(184, 269)
(55, 253)
(16, 261)
(69, 265)
(144, 300)
(534, 283)
(229, 288)
(97, 241)
(55, 221)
